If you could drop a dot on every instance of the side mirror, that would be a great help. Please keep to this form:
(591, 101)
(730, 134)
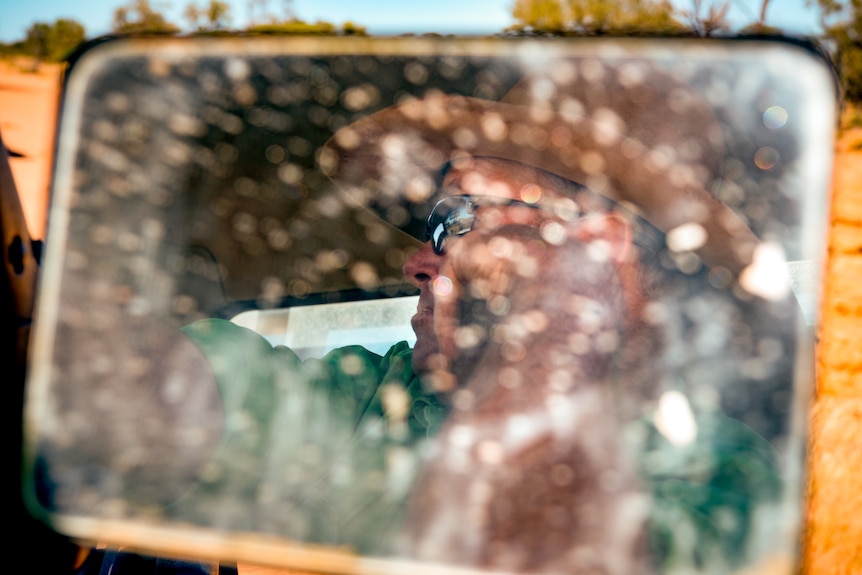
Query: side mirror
(613, 350)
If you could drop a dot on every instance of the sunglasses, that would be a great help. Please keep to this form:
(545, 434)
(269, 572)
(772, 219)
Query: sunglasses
(455, 216)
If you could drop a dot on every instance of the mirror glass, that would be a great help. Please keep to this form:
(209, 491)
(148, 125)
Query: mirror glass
(371, 304)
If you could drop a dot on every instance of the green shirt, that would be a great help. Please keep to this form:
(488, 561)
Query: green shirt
(321, 450)
(326, 450)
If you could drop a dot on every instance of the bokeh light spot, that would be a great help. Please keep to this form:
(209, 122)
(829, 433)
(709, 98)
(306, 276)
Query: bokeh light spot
(441, 286)
(531, 193)
(775, 117)
(766, 158)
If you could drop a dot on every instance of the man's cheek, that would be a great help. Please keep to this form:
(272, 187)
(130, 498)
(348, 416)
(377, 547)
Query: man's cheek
(445, 311)
(471, 277)
(463, 323)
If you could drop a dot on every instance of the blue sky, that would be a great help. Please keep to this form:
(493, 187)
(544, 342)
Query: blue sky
(379, 16)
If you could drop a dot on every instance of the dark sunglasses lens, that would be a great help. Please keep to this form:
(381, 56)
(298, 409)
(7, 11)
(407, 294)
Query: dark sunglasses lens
(451, 216)
(436, 237)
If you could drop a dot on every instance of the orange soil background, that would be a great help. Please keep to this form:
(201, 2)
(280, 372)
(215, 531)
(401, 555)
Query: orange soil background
(833, 539)
(833, 534)
(28, 116)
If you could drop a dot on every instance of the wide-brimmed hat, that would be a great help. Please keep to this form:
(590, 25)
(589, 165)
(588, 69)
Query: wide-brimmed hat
(627, 130)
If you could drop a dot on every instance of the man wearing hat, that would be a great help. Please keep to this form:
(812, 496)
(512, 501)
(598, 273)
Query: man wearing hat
(528, 429)
(544, 316)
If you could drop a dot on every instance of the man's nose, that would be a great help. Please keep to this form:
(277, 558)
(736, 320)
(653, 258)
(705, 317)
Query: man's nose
(422, 267)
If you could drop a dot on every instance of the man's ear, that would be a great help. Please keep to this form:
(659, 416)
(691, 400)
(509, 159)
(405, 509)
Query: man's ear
(610, 231)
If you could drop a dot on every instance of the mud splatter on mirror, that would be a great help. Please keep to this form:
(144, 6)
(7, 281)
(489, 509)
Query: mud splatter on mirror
(376, 304)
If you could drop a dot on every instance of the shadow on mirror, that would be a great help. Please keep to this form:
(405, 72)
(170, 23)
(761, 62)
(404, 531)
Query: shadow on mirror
(354, 305)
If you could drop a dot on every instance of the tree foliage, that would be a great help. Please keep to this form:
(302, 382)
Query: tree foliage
(842, 25)
(300, 27)
(759, 27)
(36, 42)
(706, 18)
(260, 12)
(595, 16)
(66, 35)
(139, 16)
(351, 29)
(53, 42)
(265, 19)
(213, 16)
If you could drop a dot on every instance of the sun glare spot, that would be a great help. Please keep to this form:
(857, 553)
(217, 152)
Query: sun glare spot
(767, 276)
(675, 420)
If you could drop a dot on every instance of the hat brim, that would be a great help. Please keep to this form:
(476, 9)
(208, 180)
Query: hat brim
(391, 158)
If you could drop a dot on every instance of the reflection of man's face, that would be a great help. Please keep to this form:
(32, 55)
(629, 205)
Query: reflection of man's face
(479, 177)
